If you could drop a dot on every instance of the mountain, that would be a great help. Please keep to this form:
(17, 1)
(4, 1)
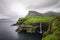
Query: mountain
(51, 13)
(34, 13)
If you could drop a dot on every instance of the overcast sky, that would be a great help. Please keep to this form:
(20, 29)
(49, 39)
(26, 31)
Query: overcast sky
(19, 8)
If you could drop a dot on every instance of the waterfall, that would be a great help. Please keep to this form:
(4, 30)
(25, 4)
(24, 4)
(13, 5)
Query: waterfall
(40, 28)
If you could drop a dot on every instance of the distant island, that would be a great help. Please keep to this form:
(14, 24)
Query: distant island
(35, 22)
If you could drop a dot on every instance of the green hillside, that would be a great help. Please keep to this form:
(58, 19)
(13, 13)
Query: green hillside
(32, 21)
(56, 33)
(36, 19)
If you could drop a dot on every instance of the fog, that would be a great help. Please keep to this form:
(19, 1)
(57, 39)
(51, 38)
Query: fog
(15, 9)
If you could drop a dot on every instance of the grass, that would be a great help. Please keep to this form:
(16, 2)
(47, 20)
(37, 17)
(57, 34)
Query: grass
(38, 19)
(56, 33)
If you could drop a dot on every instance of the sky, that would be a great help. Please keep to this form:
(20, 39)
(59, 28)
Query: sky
(15, 9)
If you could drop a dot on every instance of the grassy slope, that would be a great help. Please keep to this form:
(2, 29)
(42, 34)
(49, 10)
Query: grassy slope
(56, 34)
(37, 19)
(32, 19)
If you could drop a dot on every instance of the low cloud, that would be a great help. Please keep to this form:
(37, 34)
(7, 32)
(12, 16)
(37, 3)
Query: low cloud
(19, 8)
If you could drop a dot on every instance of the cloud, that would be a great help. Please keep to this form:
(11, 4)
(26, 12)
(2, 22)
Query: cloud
(44, 5)
(12, 9)
(19, 8)
(38, 4)
(57, 5)
(2, 17)
(4, 9)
